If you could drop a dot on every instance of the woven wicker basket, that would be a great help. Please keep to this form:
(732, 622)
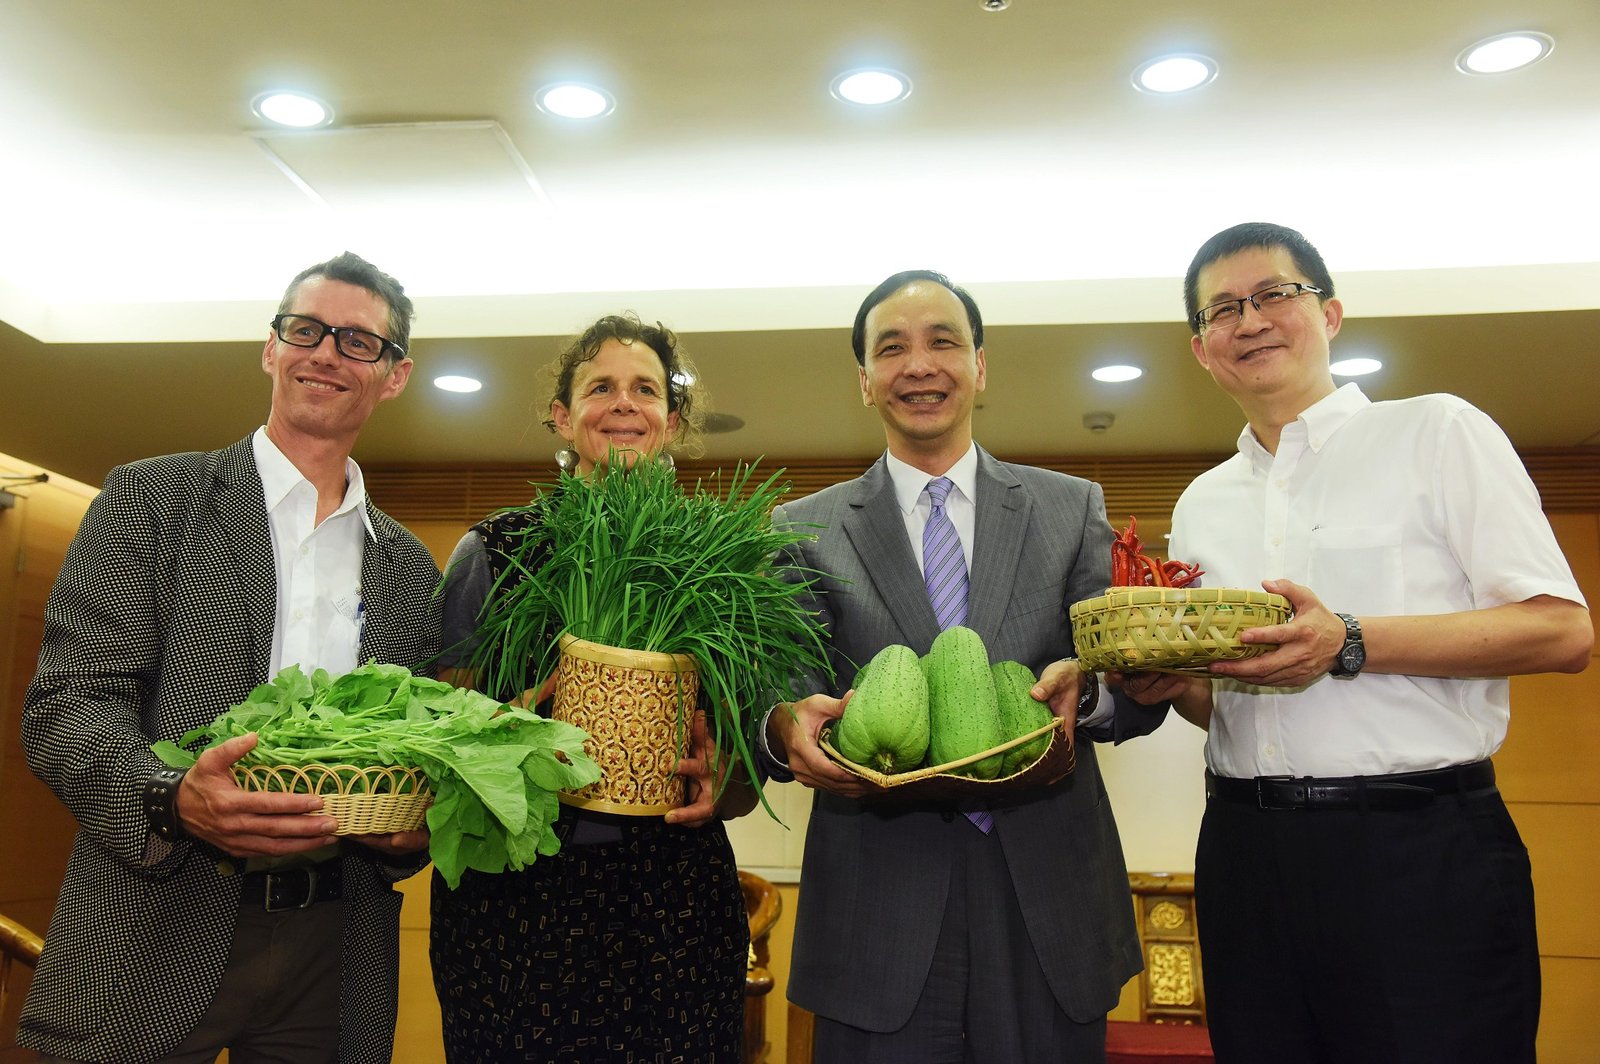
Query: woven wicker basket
(940, 782)
(1164, 629)
(371, 800)
(628, 701)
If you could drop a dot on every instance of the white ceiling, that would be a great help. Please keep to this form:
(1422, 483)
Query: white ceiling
(151, 221)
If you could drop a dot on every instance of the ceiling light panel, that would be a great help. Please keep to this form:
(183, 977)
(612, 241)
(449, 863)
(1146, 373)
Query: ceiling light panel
(1117, 374)
(871, 87)
(570, 99)
(1355, 367)
(1505, 52)
(1174, 73)
(297, 110)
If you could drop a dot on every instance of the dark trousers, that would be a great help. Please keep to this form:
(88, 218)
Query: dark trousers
(1342, 936)
(278, 1002)
(986, 1000)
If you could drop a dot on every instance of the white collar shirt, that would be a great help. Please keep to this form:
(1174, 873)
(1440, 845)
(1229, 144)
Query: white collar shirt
(318, 567)
(911, 493)
(1412, 507)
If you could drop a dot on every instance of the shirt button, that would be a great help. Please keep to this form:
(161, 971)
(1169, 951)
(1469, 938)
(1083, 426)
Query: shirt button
(1270, 750)
(1276, 542)
(1281, 483)
(305, 548)
(299, 615)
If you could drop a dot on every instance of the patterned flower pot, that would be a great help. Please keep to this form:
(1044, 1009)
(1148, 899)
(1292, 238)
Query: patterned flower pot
(635, 706)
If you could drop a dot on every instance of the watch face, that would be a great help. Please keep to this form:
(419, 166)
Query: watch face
(1351, 658)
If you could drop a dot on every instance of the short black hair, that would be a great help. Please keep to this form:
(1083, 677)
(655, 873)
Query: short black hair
(1245, 235)
(891, 285)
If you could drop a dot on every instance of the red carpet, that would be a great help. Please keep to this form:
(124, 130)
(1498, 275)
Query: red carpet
(1137, 1043)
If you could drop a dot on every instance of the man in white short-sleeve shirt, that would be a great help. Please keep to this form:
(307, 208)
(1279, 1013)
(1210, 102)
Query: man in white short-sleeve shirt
(1362, 891)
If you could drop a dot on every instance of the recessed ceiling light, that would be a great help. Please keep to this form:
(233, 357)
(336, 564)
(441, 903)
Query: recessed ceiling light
(457, 384)
(569, 99)
(1503, 52)
(1117, 374)
(296, 109)
(1174, 73)
(1355, 367)
(871, 87)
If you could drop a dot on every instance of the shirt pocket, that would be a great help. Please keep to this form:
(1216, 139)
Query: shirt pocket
(1358, 569)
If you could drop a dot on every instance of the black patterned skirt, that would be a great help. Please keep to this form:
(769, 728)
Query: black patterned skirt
(627, 951)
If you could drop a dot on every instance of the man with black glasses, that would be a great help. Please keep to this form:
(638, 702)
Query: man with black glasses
(1362, 892)
(195, 916)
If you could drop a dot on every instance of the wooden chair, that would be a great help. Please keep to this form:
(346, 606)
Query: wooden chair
(764, 905)
(19, 948)
(1172, 999)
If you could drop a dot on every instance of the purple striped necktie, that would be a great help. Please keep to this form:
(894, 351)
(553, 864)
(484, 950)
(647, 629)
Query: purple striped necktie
(944, 570)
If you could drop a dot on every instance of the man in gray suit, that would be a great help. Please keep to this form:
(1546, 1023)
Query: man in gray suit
(195, 916)
(992, 934)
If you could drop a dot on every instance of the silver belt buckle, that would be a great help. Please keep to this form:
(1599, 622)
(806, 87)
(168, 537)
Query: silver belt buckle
(305, 903)
(1261, 797)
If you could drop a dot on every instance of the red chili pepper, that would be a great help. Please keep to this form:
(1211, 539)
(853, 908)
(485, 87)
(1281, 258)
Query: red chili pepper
(1180, 574)
(1155, 576)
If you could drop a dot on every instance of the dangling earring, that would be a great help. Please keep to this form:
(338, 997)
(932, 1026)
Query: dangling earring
(665, 459)
(567, 459)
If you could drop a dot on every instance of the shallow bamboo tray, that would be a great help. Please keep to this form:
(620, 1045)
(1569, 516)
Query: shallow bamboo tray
(1167, 629)
(370, 800)
(939, 782)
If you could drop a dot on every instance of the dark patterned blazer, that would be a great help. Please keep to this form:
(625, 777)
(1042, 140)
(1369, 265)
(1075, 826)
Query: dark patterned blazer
(160, 619)
(874, 879)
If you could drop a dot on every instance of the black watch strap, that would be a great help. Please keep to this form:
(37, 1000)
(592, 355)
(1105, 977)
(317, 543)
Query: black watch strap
(1089, 697)
(161, 803)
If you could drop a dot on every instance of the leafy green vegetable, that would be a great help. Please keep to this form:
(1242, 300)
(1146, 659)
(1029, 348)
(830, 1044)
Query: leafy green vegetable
(629, 559)
(494, 768)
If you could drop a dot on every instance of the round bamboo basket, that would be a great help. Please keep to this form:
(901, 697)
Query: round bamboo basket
(1167, 629)
(364, 800)
(635, 706)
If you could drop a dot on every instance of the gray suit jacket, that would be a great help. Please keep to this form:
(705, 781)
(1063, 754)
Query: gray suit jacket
(874, 879)
(160, 619)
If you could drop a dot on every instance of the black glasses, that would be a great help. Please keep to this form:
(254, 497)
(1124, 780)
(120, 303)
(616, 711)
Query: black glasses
(1229, 312)
(301, 331)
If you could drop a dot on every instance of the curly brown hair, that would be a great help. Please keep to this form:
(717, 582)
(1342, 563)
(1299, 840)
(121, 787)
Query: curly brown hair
(685, 394)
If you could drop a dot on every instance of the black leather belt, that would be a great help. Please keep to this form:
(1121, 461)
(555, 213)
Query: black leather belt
(1400, 790)
(280, 889)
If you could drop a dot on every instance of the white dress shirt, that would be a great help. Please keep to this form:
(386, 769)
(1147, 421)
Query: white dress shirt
(1412, 507)
(318, 567)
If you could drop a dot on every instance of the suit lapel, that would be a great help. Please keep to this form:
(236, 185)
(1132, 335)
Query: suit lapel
(379, 585)
(1003, 509)
(242, 516)
(877, 531)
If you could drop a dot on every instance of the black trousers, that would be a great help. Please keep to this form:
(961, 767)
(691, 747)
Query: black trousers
(1349, 937)
(986, 1000)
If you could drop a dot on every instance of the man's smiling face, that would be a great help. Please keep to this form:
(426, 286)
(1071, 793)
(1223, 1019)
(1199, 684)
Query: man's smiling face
(921, 369)
(317, 393)
(1278, 357)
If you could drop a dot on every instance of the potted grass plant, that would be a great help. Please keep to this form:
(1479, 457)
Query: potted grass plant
(642, 599)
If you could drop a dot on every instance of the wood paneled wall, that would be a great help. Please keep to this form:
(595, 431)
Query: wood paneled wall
(1546, 767)
(1547, 771)
(1146, 485)
(35, 829)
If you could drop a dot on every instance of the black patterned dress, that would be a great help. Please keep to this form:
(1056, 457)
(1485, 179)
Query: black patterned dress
(630, 944)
